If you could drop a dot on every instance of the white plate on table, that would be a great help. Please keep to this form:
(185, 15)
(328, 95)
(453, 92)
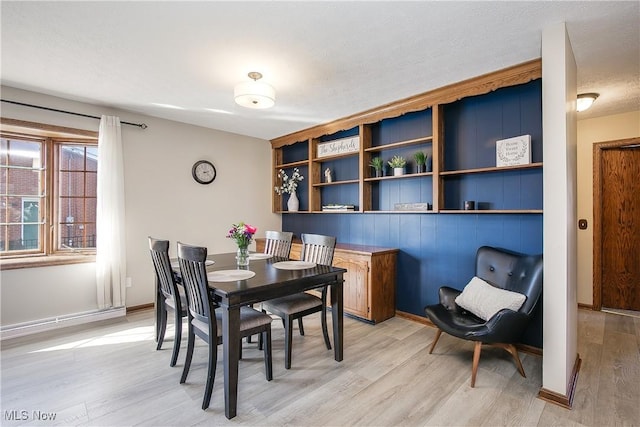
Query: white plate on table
(294, 265)
(258, 255)
(230, 275)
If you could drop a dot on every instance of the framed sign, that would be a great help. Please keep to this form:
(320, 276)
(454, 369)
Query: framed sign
(339, 146)
(513, 151)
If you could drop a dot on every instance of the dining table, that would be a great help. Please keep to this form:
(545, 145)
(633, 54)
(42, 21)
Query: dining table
(266, 277)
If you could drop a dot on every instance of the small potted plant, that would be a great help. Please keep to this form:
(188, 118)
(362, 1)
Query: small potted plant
(378, 165)
(421, 160)
(397, 163)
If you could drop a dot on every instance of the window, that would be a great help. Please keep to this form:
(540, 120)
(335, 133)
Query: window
(47, 193)
(76, 195)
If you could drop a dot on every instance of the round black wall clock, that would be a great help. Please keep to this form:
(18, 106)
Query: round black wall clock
(203, 172)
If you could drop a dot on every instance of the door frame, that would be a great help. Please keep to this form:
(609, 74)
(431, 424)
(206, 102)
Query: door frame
(598, 149)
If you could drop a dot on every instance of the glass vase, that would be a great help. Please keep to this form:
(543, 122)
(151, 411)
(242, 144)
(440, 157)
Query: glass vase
(242, 256)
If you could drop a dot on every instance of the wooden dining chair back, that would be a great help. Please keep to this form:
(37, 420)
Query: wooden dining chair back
(206, 323)
(278, 243)
(169, 295)
(318, 249)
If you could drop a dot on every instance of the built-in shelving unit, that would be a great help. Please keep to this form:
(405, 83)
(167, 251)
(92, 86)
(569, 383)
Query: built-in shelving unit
(456, 127)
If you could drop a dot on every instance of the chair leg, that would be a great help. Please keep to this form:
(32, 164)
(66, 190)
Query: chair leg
(177, 337)
(300, 326)
(476, 360)
(162, 328)
(512, 350)
(211, 372)
(158, 307)
(260, 342)
(249, 336)
(288, 341)
(323, 322)
(268, 362)
(187, 360)
(435, 340)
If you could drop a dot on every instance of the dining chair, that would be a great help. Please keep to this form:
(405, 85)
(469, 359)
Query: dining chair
(318, 249)
(278, 243)
(207, 324)
(170, 296)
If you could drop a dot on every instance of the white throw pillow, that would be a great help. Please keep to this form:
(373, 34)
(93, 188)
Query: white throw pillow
(484, 300)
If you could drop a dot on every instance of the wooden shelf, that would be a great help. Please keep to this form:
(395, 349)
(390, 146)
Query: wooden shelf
(406, 175)
(415, 124)
(292, 164)
(338, 212)
(490, 169)
(326, 184)
(399, 144)
(403, 212)
(492, 211)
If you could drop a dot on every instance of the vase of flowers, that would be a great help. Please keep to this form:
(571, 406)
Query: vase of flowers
(242, 235)
(289, 186)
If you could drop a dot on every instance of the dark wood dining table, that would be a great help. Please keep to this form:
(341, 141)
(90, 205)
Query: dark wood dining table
(269, 282)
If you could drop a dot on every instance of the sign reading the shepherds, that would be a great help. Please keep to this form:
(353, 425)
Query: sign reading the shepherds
(513, 151)
(339, 146)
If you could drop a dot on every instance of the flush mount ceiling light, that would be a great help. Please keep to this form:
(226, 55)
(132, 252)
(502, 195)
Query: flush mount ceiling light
(585, 100)
(255, 94)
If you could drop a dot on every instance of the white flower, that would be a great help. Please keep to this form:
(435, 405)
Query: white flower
(289, 185)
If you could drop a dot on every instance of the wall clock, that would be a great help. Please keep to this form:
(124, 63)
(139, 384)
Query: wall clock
(203, 172)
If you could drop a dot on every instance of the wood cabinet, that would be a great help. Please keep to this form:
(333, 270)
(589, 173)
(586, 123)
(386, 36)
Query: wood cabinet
(369, 290)
(456, 126)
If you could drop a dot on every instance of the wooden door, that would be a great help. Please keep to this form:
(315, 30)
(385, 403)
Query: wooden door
(620, 226)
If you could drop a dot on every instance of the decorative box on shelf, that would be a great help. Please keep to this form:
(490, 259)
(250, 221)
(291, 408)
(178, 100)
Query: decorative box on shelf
(338, 208)
(412, 207)
(513, 151)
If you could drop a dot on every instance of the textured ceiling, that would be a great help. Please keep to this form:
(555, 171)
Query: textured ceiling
(326, 60)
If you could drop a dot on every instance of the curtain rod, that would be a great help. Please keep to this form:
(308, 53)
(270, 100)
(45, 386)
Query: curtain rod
(140, 125)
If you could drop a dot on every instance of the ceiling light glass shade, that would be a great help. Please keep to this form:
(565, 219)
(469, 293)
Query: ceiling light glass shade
(585, 100)
(255, 94)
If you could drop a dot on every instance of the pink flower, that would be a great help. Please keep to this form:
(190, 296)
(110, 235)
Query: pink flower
(250, 229)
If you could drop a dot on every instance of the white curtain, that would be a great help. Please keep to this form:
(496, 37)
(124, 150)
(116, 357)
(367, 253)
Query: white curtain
(110, 228)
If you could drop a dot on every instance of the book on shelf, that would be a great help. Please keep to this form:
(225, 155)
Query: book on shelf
(338, 208)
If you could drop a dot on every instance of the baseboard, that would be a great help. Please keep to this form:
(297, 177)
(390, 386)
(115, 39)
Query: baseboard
(140, 307)
(415, 318)
(43, 325)
(585, 306)
(559, 399)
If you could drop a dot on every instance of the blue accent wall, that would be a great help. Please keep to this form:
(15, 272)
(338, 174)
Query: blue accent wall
(439, 249)
(435, 249)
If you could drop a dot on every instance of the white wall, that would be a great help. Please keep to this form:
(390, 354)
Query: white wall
(162, 200)
(590, 131)
(559, 136)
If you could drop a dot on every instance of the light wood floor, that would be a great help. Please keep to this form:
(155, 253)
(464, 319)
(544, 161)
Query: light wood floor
(109, 374)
